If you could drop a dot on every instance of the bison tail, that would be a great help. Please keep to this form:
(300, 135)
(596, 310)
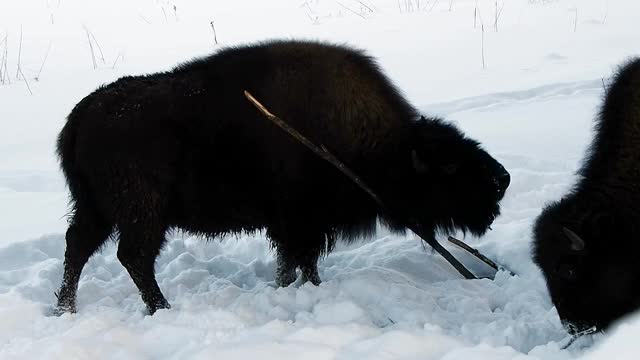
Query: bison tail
(66, 150)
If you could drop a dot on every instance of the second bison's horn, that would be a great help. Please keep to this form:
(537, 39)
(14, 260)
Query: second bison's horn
(420, 166)
(577, 243)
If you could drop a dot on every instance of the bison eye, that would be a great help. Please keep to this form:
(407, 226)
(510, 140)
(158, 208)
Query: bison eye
(567, 271)
(450, 169)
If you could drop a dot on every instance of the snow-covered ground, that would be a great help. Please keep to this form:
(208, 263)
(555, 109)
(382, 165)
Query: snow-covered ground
(532, 105)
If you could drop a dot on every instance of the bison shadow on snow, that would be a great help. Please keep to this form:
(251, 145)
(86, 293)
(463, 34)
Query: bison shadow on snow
(587, 244)
(184, 149)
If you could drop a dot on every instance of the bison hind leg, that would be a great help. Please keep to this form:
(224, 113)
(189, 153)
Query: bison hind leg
(137, 251)
(141, 212)
(85, 235)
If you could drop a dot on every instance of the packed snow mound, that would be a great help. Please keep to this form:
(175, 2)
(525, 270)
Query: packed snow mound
(388, 296)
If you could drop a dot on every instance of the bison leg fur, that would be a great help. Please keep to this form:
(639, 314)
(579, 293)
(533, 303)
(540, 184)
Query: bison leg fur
(305, 258)
(310, 274)
(308, 262)
(137, 251)
(84, 236)
(286, 269)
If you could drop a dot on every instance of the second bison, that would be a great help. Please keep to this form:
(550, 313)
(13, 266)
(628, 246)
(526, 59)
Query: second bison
(586, 243)
(185, 149)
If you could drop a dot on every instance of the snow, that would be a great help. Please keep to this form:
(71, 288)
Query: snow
(532, 106)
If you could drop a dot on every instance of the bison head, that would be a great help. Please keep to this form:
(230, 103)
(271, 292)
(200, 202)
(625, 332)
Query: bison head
(455, 183)
(588, 257)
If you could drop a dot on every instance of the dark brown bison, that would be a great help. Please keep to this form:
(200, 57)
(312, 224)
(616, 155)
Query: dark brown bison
(185, 149)
(587, 244)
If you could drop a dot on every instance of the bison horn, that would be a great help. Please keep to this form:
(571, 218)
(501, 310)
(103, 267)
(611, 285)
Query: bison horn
(577, 243)
(418, 164)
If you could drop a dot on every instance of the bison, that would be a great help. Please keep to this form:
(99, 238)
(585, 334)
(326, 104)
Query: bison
(586, 243)
(184, 149)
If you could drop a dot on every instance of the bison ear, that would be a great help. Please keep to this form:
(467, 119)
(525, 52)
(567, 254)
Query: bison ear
(577, 243)
(418, 164)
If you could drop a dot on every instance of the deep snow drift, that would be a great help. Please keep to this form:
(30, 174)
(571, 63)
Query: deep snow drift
(531, 105)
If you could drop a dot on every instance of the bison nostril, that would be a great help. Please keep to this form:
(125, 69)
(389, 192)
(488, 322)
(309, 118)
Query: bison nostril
(503, 180)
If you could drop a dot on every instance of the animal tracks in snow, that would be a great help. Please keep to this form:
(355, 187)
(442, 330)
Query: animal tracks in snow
(491, 101)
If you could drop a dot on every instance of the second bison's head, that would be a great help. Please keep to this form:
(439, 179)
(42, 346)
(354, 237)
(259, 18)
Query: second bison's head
(455, 184)
(587, 249)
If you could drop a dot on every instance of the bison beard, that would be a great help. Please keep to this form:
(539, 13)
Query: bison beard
(184, 149)
(586, 244)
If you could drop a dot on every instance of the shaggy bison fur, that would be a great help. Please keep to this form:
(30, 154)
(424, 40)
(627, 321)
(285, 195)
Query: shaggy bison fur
(184, 149)
(587, 244)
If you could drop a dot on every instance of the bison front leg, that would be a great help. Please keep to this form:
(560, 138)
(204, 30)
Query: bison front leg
(137, 251)
(286, 268)
(310, 272)
(304, 254)
(287, 264)
(318, 243)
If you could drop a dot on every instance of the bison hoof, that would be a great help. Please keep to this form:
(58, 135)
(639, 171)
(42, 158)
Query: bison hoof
(65, 305)
(158, 305)
(315, 281)
(313, 278)
(61, 310)
(286, 278)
